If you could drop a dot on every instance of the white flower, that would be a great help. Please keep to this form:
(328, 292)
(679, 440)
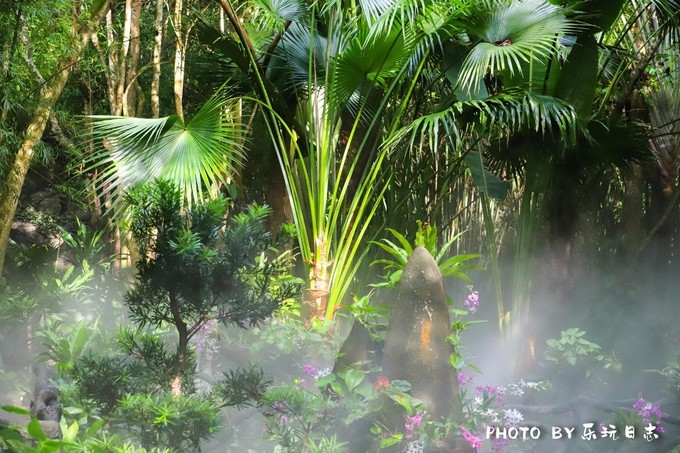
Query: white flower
(415, 447)
(321, 373)
(513, 416)
(491, 415)
(517, 391)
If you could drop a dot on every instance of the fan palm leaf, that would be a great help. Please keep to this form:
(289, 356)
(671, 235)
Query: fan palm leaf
(506, 34)
(194, 156)
(373, 59)
(507, 113)
(290, 66)
(273, 13)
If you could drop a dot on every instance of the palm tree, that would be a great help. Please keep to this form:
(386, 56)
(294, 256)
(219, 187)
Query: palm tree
(360, 80)
(197, 156)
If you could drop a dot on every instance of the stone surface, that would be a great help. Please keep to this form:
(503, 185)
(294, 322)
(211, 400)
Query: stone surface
(51, 429)
(416, 349)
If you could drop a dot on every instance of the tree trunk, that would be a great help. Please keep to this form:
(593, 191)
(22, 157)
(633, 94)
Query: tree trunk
(8, 52)
(156, 77)
(182, 347)
(9, 199)
(131, 94)
(180, 55)
(93, 201)
(121, 59)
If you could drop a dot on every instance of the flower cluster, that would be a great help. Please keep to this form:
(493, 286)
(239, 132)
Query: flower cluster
(314, 372)
(415, 447)
(464, 378)
(513, 417)
(648, 412)
(412, 422)
(280, 412)
(474, 441)
(488, 408)
(205, 343)
(517, 389)
(381, 383)
(472, 302)
(497, 392)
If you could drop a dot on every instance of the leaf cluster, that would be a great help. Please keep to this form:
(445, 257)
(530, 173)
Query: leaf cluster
(573, 348)
(193, 266)
(179, 423)
(143, 365)
(426, 236)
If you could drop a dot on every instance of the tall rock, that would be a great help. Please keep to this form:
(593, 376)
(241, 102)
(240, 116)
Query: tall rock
(416, 349)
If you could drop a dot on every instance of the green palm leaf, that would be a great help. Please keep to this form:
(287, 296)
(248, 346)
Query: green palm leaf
(508, 33)
(370, 58)
(273, 13)
(515, 111)
(290, 65)
(194, 156)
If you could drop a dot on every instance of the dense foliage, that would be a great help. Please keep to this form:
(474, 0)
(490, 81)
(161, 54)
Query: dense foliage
(206, 208)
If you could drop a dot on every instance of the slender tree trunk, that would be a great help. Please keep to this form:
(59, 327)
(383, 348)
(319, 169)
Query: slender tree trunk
(157, 47)
(9, 198)
(131, 94)
(180, 55)
(122, 58)
(93, 200)
(113, 58)
(8, 52)
(182, 346)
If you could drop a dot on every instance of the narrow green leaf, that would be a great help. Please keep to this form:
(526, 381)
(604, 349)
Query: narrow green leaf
(35, 430)
(15, 410)
(402, 240)
(484, 180)
(392, 440)
(71, 432)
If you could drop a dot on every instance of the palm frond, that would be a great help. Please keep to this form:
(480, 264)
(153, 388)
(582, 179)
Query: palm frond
(514, 111)
(506, 33)
(273, 13)
(195, 156)
(372, 59)
(290, 65)
(664, 114)
(373, 10)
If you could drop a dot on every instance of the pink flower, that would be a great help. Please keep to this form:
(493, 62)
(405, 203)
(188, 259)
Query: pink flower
(415, 420)
(472, 302)
(464, 378)
(309, 369)
(648, 411)
(474, 441)
(412, 421)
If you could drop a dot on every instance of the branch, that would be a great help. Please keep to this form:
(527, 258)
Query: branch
(242, 33)
(272, 46)
(139, 73)
(28, 53)
(59, 134)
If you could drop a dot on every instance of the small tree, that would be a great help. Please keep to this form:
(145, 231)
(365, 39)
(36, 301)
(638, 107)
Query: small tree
(194, 267)
(193, 270)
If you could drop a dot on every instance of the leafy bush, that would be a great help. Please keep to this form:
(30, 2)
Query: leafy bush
(572, 348)
(194, 269)
(426, 236)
